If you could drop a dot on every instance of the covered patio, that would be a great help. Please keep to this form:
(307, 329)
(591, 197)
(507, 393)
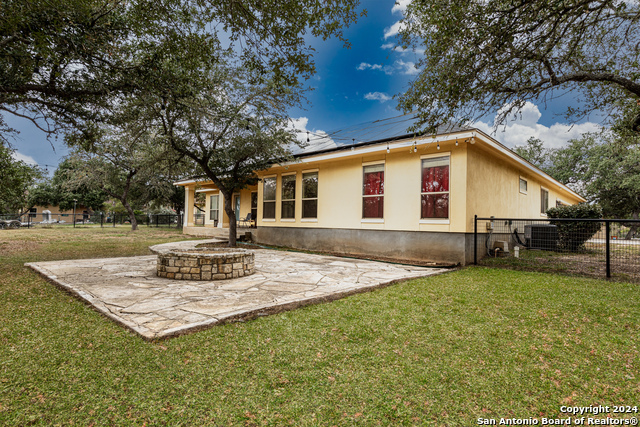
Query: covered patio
(208, 218)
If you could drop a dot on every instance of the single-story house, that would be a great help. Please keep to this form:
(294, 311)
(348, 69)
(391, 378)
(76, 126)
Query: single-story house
(404, 197)
(55, 214)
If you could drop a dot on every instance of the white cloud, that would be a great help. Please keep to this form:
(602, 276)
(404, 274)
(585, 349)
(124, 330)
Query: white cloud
(365, 66)
(24, 158)
(318, 139)
(406, 67)
(394, 29)
(517, 131)
(377, 96)
(399, 66)
(400, 6)
(401, 50)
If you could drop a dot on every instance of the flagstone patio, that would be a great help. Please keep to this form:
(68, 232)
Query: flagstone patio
(128, 290)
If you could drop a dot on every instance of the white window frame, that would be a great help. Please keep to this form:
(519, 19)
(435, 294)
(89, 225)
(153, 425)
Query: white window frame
(435, 220)
(217, 208)
(303, 218)
(274, 201)
(544, 214)
(526, 182)
(384, 166)
(282, 199)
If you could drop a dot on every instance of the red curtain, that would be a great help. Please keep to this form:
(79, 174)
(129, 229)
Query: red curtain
(435, 206)
(372, 207)
(373, 183)
(435, 179)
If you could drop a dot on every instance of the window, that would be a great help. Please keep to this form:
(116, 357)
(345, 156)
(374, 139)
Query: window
(310, 195)
(288, 197)
(254, 206)
(373, 191)
(523, 185)
(544, 201)
(213, 208)
(269, 198)
(435, 188)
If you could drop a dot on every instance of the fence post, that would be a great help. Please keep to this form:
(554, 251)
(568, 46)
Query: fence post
(28, 221)
(101, 219)
(608, 248)
(475, 240)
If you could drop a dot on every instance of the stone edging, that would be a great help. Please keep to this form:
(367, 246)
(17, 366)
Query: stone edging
(205, 263)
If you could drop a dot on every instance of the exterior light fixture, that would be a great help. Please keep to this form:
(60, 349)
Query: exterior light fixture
(307, 136)
(438, 146)
(388, 148)
(456, 141)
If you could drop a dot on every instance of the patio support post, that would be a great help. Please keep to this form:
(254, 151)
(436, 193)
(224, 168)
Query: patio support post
(475, 240)
(608, 248)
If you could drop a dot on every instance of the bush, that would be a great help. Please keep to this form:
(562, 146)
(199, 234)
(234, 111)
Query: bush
(573, 235)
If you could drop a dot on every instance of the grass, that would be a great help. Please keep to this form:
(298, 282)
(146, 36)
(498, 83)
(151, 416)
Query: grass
(590, 262)
(445, 350)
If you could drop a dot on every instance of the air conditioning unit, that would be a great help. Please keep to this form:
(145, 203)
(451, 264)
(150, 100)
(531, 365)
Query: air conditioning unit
(541, 236)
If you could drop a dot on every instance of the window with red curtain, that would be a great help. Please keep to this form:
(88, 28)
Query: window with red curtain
(435, 188)
(373, 191)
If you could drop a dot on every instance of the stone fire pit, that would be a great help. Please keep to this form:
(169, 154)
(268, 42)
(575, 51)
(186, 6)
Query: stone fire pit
(204, 263)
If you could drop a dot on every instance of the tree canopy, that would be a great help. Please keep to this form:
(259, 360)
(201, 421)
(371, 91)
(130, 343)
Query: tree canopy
(234, 126)
(485, 56)
(533, 151)
(64, 61)
(604, 167)
(131, 167)
(16, 178)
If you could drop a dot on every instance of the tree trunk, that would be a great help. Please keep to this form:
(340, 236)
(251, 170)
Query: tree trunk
(132, 215)
(228, 208)
(633, 227)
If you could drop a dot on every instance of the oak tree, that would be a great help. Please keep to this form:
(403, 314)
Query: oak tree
(485, 56)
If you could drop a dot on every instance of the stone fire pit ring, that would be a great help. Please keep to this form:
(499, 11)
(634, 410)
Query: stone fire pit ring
(204, 263)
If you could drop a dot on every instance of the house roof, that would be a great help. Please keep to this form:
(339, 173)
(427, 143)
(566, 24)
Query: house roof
(367, 133)
(377, 135)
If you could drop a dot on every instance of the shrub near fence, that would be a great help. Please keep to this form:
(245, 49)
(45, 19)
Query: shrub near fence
(552, 245)
(572, 235)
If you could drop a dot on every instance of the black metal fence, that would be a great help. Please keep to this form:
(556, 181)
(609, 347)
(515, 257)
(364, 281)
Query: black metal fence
(198, 219)
(590, 247)
(96, 219)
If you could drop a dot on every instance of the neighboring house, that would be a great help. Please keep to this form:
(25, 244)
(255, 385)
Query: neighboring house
(411, 198)
(55, 214)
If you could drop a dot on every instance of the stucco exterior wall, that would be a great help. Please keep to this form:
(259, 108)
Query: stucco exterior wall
(340, 183)
(493, 188)
(484, 180)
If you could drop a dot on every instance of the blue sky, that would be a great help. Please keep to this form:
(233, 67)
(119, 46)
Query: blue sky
(357, 85)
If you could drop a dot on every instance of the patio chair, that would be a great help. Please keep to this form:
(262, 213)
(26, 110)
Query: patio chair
(245, 222)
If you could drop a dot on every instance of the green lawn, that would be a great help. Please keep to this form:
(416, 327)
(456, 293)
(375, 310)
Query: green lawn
(446, 350)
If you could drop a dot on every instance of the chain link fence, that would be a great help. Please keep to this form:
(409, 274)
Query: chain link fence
(96, 219)
(604, 248)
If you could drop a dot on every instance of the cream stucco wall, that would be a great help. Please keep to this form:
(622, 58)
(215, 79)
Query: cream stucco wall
(209, 190)
(484, 181)
(493, 187)
(340, 183)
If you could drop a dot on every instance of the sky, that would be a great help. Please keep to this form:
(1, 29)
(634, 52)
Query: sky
(354, 86)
